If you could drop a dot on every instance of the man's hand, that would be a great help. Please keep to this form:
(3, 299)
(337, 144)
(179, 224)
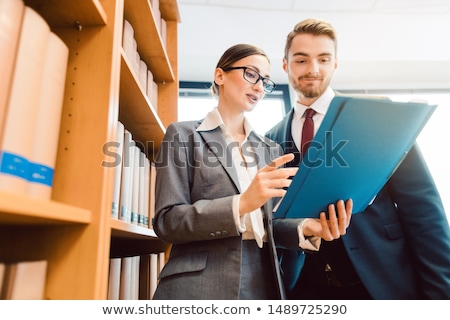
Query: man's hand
(335, 226)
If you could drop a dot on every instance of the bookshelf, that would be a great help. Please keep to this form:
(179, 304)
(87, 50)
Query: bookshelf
(74, 231)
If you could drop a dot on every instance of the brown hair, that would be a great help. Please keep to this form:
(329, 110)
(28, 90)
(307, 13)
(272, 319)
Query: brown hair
(314, 26)
(233, 54)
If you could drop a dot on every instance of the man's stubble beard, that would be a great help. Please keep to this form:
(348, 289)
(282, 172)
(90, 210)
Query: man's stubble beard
(310, 92)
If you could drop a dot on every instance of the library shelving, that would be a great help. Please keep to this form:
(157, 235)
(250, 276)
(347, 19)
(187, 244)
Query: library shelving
(74, 231)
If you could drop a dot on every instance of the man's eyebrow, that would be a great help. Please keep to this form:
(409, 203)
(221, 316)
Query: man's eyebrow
(303, 54)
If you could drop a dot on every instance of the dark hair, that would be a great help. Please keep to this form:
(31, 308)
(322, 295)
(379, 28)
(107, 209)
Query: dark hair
(233, 54)
(314, 26)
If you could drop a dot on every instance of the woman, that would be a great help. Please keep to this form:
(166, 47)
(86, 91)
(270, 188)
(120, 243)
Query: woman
(214, 180)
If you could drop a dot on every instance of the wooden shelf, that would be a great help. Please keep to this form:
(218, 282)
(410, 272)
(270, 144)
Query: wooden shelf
(17, 209)
(150, 45)
(169, 10)
(137, 112)
(121, 229)
(130, 240)
(70, 13)
(74, 231)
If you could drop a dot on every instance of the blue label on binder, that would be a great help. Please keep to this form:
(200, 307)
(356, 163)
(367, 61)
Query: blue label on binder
(14, 165)
(40, 173)
(134, 217)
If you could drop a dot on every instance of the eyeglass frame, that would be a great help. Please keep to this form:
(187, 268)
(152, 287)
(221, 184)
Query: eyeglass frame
(260, 77)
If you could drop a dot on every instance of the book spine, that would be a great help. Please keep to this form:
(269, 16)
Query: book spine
(119, 141)
(25, 280)
(126, 278)
(135, 186)
(142, 181)
(11, 15)
(114, 278)
(152, 194)
(143, 71)
(153, 273)
(127, 178)
(45, 143)
(146, 193)
(17, 143)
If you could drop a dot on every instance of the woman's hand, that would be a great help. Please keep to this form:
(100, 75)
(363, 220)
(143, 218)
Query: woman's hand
(268, 183)
(335, 226)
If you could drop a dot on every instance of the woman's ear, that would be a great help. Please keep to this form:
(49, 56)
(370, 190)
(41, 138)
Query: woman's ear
(218, 76)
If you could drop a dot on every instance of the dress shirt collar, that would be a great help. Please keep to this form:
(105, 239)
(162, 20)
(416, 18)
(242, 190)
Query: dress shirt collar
(213, 120)
(320, 105)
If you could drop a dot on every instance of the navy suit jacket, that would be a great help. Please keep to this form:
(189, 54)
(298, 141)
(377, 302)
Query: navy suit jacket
(400, 245)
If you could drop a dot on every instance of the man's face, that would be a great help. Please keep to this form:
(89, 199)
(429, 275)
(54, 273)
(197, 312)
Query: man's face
(310, 66)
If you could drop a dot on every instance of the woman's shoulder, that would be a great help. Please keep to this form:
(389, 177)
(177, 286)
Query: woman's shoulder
(184, 126)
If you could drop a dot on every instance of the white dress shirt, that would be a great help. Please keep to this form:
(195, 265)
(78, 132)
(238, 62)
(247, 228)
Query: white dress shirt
(320, 106)
(250, 224)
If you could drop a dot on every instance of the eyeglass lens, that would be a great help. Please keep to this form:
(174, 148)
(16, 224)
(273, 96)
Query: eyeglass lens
(253, 77)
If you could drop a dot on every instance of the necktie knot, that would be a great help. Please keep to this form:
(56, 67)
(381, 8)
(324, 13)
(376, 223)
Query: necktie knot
(309, 113)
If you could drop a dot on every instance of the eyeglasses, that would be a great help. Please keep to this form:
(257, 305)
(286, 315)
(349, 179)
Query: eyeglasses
(253, 77)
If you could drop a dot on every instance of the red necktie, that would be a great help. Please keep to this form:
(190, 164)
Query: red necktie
(308, 130)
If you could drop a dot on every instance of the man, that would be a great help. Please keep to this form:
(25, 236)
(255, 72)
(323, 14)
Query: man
(399, 247)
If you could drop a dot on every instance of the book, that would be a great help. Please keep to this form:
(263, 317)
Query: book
(46, 133)
(163, 31)
(119, 141)
(135, 278)
(128, 40)
(154, 95)
(153, 273)
(114, 278)
(151, 210)
(126, 274)
(25, 280)
(127, 177)
(11, 14)
(22, 110)
(142, 197)
(146, 193)
(143, 73)
(135, 185)
(357, 148)
(150, 80)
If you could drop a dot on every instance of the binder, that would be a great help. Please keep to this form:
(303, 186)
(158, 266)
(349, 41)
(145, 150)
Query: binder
(357, 148)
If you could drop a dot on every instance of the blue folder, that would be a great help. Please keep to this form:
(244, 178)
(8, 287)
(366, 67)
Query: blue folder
(357, 148)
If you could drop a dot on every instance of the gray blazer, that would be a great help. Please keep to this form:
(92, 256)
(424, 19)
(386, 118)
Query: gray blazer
(195, 185)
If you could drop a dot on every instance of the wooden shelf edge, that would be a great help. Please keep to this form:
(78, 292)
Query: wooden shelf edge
(169, 10)
(70, 13)
(20, 209)
(121, 229)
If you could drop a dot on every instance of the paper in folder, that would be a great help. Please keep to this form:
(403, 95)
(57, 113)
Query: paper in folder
(358, 146)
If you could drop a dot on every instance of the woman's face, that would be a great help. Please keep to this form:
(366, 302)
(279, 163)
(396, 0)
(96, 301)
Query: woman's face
(235, 91)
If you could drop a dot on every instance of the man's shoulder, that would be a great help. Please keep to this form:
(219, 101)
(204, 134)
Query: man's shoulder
(280, 127)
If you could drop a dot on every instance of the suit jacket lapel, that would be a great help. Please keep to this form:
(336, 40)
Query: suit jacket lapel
(217, 145)
(262, 153)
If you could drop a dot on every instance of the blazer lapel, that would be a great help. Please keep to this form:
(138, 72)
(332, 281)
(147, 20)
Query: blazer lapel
(262, 153)
(217, 145)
